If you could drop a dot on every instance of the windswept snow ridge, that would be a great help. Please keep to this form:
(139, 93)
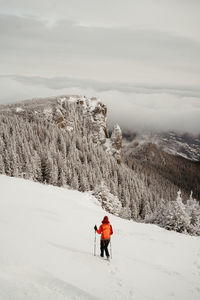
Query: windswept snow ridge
(46, 252)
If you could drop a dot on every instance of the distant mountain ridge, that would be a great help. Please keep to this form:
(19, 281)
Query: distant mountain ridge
(178, 170)
(175, 157)
(184, 145)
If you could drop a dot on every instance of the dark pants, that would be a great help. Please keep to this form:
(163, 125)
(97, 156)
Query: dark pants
(104, 246)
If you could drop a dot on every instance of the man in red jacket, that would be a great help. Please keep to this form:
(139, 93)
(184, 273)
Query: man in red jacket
(106, 231)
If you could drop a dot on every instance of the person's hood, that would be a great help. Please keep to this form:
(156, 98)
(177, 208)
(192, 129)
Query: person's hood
(105, 220)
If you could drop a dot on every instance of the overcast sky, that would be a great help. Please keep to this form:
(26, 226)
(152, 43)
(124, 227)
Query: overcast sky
(141, 57)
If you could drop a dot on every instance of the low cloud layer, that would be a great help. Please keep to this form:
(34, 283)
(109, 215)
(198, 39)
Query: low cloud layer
(138, 108)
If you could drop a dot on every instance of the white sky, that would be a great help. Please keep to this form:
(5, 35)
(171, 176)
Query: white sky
(141, 57)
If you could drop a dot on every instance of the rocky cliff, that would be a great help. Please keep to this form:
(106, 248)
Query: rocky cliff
(92, 110)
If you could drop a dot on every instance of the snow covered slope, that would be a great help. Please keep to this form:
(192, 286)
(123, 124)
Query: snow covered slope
(46, 250)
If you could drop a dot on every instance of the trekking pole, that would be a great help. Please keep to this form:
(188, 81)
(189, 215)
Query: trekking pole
(110, 249)
(95, 243)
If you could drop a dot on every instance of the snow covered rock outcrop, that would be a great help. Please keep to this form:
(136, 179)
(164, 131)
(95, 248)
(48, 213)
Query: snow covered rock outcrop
(113, 145)
(116, 142)
(96, 114)
(92, 110)
(61, 110)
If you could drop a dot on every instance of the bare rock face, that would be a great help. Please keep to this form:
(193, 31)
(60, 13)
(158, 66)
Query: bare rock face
(60, 119)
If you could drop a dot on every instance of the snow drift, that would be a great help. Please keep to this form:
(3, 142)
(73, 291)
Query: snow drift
(46, 252)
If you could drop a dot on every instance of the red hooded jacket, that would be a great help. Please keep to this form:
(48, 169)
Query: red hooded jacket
(105, 229)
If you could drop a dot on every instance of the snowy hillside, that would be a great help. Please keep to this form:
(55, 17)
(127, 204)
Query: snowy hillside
(46, 252)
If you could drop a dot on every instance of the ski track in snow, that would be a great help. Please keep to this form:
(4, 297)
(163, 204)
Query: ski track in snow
(47, 244)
